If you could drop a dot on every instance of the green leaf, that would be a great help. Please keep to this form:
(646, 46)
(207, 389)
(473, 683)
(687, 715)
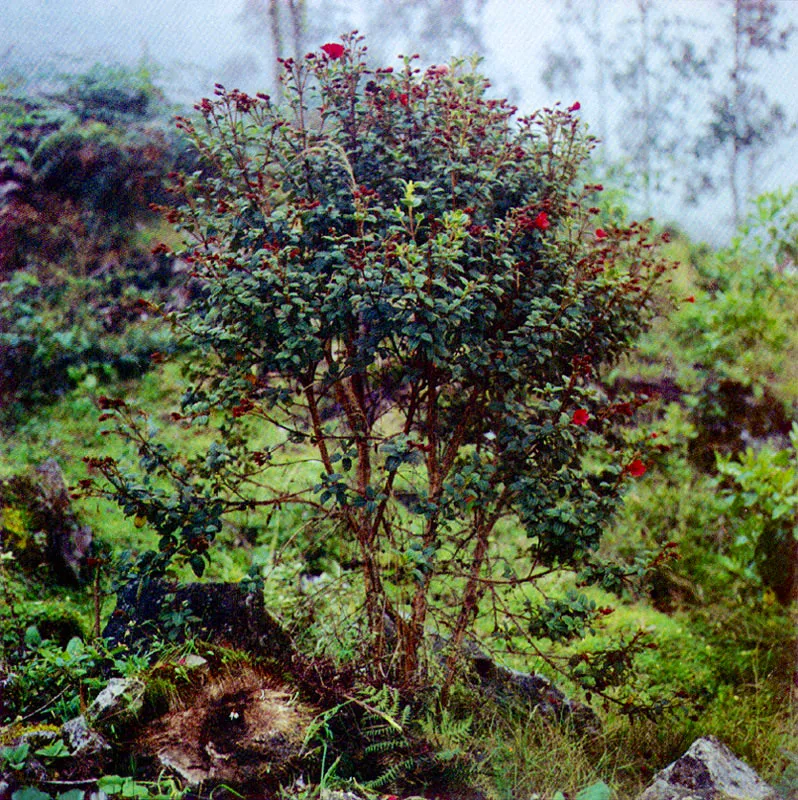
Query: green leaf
(15, 757)
(56, 749)
(30, 793)
(75, 647)
(32, 637)
(72, 794)
(596, 791)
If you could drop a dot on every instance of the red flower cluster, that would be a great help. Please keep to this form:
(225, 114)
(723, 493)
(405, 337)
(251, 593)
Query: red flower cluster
(636, 468)
(540, 222)
(436, 70)
(575, 107)
(402, 98)
(333, 50)
(601, 233)
(580, 417)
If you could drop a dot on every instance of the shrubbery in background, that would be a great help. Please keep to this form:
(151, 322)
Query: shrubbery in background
(80, 171)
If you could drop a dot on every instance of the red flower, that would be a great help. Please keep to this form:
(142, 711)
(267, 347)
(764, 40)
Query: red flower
(333, 49)
(690, 299)
(575, 107)
(601, 233)
(403, 99)
(541, 221)
(636, 468)
(624, 408)
(580, 417)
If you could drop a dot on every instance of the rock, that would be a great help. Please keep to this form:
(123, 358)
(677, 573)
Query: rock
(529, 689)
(539, 692)
(81, 739)
(119, 702)
(40, 526)
(221, 613)
(708, 771)
(339, 794)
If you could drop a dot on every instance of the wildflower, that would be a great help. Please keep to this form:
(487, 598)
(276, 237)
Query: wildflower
(541, 221)
(333, 50)
(601, 233)
(580, 417)
(575, 107)
(636, 468)
(690, 299)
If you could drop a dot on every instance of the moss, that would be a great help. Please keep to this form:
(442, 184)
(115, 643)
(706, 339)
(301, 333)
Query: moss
(37, 735)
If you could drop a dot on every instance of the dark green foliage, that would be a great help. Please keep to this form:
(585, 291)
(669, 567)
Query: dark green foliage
(759, 499)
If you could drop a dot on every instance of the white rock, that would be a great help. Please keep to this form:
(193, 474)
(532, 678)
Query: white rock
(708, 771)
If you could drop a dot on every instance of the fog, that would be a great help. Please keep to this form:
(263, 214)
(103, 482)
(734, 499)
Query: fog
(198, 42)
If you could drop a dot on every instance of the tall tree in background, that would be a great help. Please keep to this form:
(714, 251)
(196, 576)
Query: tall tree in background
(582, 30)
(657, 85)
(288, 25)
(647, 71)
(435, 29)
(744, 123)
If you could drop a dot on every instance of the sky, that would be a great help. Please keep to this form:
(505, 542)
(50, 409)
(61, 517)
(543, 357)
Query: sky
(199, 42)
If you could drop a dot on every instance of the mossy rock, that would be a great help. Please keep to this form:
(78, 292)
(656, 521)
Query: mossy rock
(39, 527)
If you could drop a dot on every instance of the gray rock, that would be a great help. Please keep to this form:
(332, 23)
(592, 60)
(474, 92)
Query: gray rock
(81, 739)
(708, 771)
(531, 690)
(121, 700)
(55, 539)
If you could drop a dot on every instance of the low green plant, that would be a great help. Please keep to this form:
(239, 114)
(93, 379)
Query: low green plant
(165, 788)
(759, 501)
(113, 93)
(15, 757)
(52, 337)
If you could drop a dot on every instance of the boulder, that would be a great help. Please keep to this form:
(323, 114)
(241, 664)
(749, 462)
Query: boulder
(535, 691)
(708, 771)
(81, 739)
(228, 614)
(120, 702)
(38, 525)
(528, 689)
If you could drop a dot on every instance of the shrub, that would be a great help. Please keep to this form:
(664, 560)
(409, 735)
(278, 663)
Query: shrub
(113, 93)
(404, 284)
(759, 498)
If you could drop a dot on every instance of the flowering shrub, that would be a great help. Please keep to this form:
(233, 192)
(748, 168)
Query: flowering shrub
(403, 276)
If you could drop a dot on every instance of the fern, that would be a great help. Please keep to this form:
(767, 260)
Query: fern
(384, 726)
(392, 773)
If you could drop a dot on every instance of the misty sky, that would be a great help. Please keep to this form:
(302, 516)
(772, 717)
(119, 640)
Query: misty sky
(199, 42)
